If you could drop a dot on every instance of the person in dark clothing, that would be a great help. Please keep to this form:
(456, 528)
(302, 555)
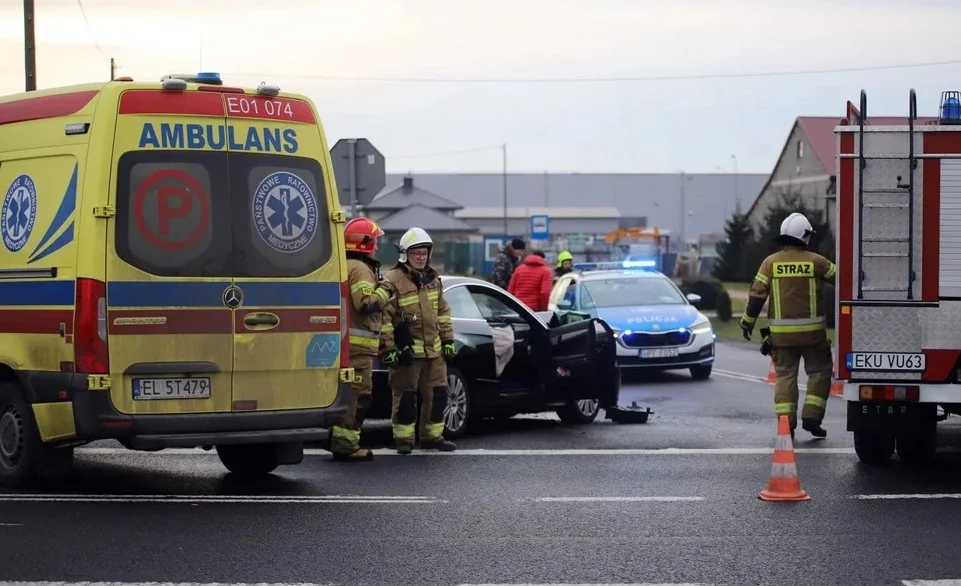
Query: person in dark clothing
(505, 263)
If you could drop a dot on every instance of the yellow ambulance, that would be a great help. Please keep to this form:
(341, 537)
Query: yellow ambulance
(172, 272)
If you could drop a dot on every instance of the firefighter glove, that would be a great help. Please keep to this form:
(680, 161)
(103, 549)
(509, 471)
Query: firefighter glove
(766, 345)
(389, 357)
(406, 357)
(448, 347)
(747, 328)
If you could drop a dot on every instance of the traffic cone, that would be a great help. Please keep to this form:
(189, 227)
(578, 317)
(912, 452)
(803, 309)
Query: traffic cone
(837, 388)
(771, 375)
(784, 484)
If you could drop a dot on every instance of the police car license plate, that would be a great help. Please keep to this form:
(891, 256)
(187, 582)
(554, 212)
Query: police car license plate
(886, 361)
(171, 388)
(658, 352)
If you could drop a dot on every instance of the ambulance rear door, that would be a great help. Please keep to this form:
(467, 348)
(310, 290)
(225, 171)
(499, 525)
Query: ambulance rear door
(169, 255)
(288, 262)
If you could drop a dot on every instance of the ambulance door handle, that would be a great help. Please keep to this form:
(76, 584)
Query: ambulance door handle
(261, 321)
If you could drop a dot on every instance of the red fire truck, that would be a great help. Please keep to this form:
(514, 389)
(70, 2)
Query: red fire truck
(898, 326)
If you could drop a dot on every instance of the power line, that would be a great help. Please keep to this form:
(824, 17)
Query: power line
(93, 37)
(445, 153)
(782, 73)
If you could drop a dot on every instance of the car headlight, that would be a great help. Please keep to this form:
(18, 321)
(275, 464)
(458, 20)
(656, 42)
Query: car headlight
(702, 327)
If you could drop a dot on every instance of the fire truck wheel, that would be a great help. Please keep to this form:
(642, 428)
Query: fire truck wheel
(872, 447)
(916, 449)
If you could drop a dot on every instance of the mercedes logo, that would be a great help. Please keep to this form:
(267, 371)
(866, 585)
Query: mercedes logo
(233, 297)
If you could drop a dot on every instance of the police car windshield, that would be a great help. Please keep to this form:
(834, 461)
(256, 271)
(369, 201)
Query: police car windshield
(624, 292)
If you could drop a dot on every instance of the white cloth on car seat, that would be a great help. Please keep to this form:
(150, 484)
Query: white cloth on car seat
(503, 346)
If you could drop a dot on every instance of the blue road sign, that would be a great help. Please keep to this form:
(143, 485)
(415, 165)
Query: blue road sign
(540, 227)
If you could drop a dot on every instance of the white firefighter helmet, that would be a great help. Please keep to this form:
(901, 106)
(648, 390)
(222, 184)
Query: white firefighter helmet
(414, 238)
(798, 227)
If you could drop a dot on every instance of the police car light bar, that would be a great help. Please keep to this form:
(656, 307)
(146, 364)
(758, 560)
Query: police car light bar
(615, 266)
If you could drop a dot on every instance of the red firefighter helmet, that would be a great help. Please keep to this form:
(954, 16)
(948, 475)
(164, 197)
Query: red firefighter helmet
(361, 234)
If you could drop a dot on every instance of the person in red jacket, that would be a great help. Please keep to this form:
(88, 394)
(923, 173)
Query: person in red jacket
(532, 281)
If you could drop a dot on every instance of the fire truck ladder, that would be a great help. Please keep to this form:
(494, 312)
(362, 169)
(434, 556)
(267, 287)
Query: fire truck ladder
(899, 189)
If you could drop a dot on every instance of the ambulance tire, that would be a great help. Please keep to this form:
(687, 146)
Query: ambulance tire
(249, 459)
(23, 455)
(873, 448)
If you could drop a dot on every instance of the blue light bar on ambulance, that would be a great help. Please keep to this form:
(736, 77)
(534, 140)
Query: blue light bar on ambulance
(209, 78)
(615, 265)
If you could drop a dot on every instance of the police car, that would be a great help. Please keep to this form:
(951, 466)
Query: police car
(656, 325)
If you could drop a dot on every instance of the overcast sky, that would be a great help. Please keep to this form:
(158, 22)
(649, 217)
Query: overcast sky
(695, 125)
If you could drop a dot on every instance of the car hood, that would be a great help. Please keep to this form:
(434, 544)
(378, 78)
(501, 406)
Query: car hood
(656, 318)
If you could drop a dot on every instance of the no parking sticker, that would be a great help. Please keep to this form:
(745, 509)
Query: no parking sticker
(285, 212)
(182, 209)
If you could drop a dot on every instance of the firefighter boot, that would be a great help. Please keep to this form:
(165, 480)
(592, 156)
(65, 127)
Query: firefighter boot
(440, 444)
(358, 455)
(814, 427)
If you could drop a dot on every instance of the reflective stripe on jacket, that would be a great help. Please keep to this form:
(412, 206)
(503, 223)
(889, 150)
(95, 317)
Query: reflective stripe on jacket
(791, 281)
(419, 301)
(367, 301)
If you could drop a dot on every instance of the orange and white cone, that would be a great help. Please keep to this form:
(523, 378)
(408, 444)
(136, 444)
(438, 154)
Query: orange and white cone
(837, 388)
(771, 374)
(784, 484)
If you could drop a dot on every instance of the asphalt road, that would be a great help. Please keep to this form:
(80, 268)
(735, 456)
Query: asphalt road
(527, 501)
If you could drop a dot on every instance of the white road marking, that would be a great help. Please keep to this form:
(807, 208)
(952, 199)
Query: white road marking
(11, 524)
(198, 499)
(157, 584)
(891, 497)
(617, 499)
(571, 584)
(931, 582)
(750, 377)
(519, 452)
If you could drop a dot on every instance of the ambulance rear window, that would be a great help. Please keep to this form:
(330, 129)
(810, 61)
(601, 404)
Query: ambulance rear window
(207, 214)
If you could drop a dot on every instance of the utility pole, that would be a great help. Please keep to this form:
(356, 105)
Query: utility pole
(113, 69)
(681, 240)
(29, 46)
(737, 189)
(504, 149)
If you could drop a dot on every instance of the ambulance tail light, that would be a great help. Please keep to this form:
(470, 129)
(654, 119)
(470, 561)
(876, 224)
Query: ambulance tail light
(911, 394)
(344, 325)
(90, 332)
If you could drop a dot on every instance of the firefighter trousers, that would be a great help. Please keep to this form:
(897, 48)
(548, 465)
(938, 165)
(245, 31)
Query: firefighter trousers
(345, 438)
(426, 377)
(818, 365)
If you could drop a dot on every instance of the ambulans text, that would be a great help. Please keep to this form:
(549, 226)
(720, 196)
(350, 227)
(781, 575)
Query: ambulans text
(218, 137)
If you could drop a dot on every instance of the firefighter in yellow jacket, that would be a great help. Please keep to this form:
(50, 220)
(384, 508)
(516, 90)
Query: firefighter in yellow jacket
(793, 279)
(368, 296)
(416, 336)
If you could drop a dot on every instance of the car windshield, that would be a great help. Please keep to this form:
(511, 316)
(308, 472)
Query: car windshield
(623, 292)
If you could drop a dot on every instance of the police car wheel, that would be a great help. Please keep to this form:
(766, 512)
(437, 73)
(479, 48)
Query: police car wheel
(249, 459)
(20, 443)
(457, 412)
(701, 372)
(579, 412)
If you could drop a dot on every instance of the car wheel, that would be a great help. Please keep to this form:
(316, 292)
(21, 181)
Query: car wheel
(873, 448)
(701, 371)
(579, 412)
(457, 413)
(23, 455)
(249, 459)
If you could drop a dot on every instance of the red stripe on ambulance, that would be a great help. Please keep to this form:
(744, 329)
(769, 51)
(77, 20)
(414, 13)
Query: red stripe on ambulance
(292, 320)
(43, 107)
(148, 322)
(36, 321)
(173, 103)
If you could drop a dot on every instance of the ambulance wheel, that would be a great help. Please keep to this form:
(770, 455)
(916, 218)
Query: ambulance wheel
(579, 412)
(873, 448)
(249, 459)
(701, 371)
(23, 455)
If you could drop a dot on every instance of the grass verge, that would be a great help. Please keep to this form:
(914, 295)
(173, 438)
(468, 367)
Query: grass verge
(730, 330)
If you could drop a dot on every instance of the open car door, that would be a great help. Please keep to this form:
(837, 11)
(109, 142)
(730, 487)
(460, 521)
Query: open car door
(584, 361)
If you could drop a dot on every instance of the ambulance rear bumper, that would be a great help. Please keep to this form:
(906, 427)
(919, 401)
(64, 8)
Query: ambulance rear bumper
(95, 418)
